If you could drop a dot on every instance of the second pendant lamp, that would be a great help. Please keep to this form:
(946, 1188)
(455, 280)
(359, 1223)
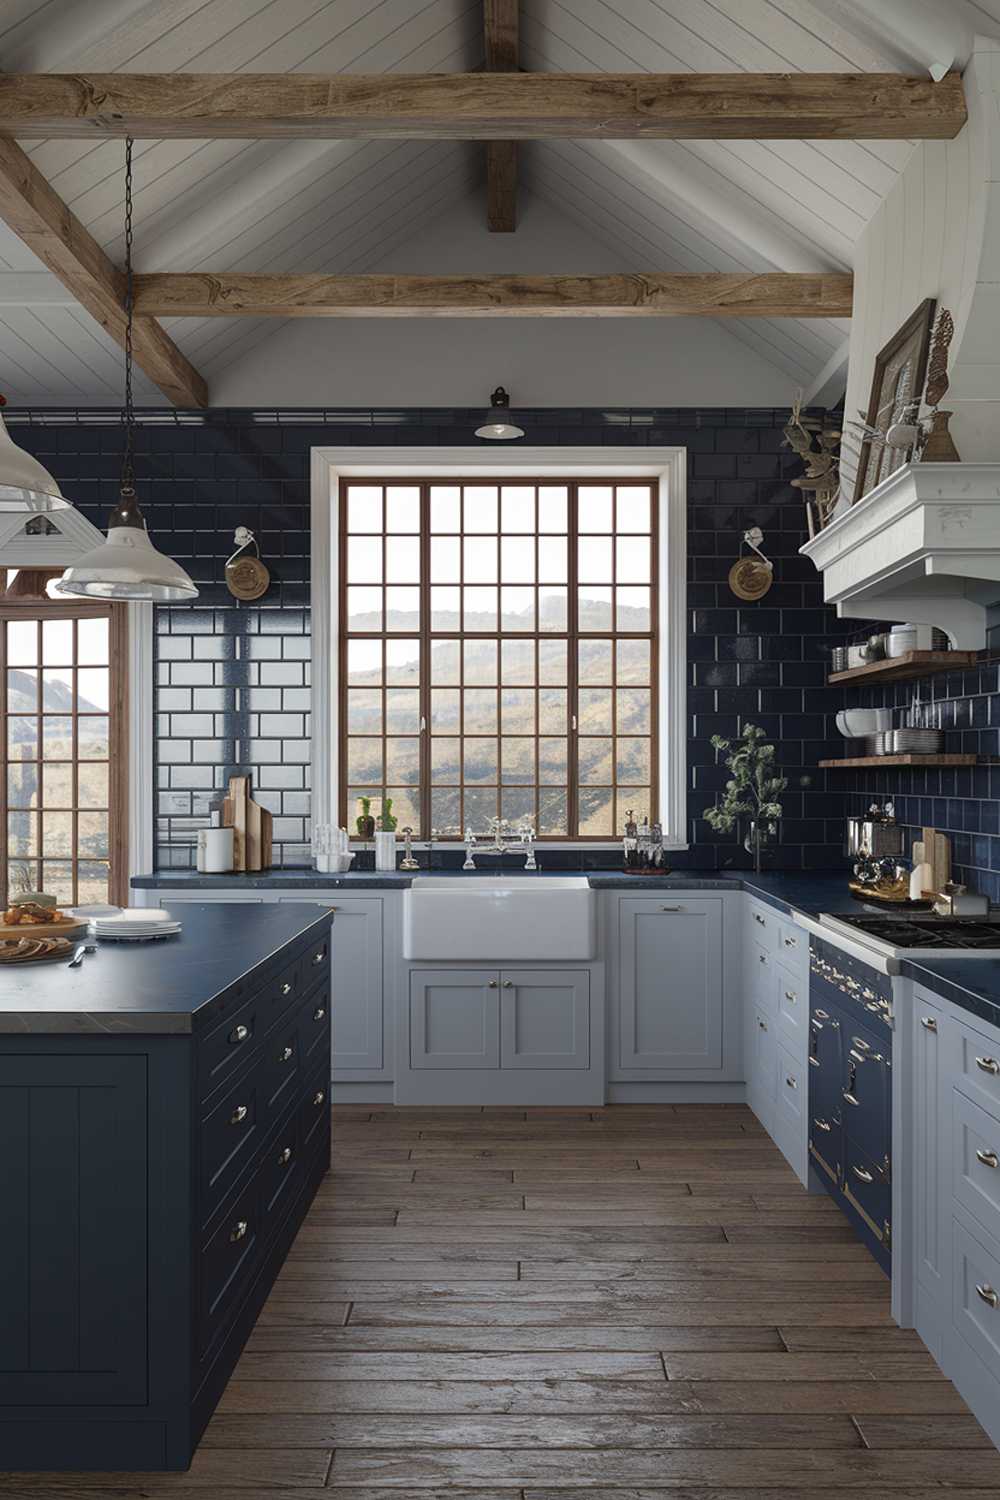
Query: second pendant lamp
(127, 565)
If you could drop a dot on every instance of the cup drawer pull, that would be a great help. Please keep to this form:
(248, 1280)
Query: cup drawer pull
(791, 1082)
(987, 1293)
(791, 996)
(988, 1158)
(286, 988)
(239, 1034)
(318, 1097)
(928, 1023)
(238, 1231)
(319, 957)
(285, 1157)
(238, 1115)
(759, 919)
(862, 1175)
(286, 1054)
(319, 1012)
(988, 1064)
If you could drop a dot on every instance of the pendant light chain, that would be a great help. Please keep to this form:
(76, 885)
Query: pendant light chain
(128, 415)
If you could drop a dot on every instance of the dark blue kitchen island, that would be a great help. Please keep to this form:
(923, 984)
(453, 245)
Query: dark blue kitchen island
(165, 1118)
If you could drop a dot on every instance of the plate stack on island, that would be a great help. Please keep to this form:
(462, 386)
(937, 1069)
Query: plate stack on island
(134, 925)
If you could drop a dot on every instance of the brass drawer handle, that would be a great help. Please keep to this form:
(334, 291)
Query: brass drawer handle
(823, 1125)
(319, 1012)
(286, 988)
(862, 1175)
(318, 1097)
(238, 1115)
(791, 1082)
(988, 1158)
(286, 1053)
(988, 1064)
(989, 1296)
(928, 1023)
(239, 1034)
(285, 1157)
(238, 1231)
(791, 996)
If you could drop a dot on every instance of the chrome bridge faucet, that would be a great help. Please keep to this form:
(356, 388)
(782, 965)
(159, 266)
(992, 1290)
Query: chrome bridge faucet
(499, 832)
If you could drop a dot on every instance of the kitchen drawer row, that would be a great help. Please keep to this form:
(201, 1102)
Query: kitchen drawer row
(657, 1014)
(776, 1012)
(952, 1120)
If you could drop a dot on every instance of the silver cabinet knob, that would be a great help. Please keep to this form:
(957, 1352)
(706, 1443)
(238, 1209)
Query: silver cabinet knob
(791, 996)
(989, 1296)
(286, 988)
(492, 984)
(988, 1064)
(286, 1053)
(759, 919)
(319, 957)
(239, 1034)
(761, 1024)
(238, 1115)
(792, 1084)
(285, 1157)
(508, 984)
(318, 1097)
(319, 1012)
(238, 1231)
(988, 1158)
(928, 1023)
(762, 958)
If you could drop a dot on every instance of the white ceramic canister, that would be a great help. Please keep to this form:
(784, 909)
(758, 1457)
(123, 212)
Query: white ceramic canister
(385, 851)
(218, 853)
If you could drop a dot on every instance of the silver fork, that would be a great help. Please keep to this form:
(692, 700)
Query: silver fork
(78, 954)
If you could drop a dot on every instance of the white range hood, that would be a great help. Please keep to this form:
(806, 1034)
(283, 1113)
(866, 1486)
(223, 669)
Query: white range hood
(923, 546)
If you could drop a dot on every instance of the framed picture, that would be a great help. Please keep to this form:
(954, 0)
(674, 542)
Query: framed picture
(900, 372)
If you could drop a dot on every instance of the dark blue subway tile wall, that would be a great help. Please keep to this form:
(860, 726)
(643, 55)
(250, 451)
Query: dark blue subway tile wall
(232, 681)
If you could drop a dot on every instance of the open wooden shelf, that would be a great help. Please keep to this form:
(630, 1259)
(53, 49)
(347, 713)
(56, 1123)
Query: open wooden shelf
(904, 668)
(898, 760)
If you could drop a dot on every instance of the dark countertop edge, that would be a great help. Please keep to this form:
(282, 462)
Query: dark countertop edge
(975, 1002)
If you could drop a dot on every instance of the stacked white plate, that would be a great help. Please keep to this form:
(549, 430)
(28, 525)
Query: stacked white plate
(135, 924)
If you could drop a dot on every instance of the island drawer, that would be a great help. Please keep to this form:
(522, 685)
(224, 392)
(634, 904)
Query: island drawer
(230, 1134)
(281, 1065)
(315, 1107)
(280, 1171)
(763, 925)
(316, 1025)
(227, 1046)
(975, 1167)
(227, 1262)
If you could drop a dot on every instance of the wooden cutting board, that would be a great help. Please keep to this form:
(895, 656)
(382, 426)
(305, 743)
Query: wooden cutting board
(251, 825)
(65, 928)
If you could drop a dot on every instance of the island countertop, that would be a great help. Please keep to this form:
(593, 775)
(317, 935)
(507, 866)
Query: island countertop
(159, 988)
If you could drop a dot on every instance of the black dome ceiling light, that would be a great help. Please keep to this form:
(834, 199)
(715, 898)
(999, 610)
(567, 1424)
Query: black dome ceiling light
(498, 427)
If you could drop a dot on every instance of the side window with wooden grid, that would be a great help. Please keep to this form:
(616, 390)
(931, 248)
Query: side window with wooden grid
(63, 752)
(498, 654)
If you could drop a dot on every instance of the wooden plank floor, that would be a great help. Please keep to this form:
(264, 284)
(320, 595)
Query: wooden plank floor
(530, 1305)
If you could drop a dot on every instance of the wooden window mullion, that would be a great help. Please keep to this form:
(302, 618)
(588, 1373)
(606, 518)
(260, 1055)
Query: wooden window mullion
(572, 665)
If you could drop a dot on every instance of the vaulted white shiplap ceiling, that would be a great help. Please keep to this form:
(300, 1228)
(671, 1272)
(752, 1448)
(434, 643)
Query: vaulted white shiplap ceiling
(348, 205)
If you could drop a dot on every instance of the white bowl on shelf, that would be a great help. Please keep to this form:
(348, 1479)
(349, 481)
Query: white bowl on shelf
(334, 864)
(857, 723)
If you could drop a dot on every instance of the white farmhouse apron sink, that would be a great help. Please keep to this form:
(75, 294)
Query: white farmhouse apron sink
(449, 917)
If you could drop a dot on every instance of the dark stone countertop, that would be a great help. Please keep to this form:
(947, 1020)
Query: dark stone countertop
(155, 988)
(306, 879)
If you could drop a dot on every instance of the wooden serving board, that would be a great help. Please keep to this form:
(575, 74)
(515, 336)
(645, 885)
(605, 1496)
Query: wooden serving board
(65, 928)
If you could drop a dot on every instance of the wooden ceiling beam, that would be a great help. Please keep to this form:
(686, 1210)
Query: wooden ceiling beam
(500, 31)
(36, 213)
(483, 106)
(776, 294)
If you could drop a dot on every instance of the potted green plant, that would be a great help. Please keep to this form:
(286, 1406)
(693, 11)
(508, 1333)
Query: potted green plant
(752, 791)
(388, 818)
(365, 823)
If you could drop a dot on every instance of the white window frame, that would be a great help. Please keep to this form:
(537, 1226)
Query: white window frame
(666, 467)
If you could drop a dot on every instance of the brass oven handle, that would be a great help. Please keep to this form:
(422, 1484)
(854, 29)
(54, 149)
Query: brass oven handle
(988, 1158)
(928, 1023)
(988, 1064)
(861, 1174)
(989, 1296)
(238, 1115)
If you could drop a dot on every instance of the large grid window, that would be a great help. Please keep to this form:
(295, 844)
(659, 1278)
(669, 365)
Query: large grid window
(498, 653)
(62, 751)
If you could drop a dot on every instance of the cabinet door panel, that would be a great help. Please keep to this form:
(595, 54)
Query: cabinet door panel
(929, 1180)
(545, 1019)
(356, 985)
(73, 1250)
(454, 1018)
(670, 984)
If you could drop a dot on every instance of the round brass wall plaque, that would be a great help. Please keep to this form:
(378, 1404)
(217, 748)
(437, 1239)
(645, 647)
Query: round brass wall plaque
(247, 578)
(750, 579)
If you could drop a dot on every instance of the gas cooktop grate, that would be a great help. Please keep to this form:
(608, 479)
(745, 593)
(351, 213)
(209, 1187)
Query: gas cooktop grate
(930, 932)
